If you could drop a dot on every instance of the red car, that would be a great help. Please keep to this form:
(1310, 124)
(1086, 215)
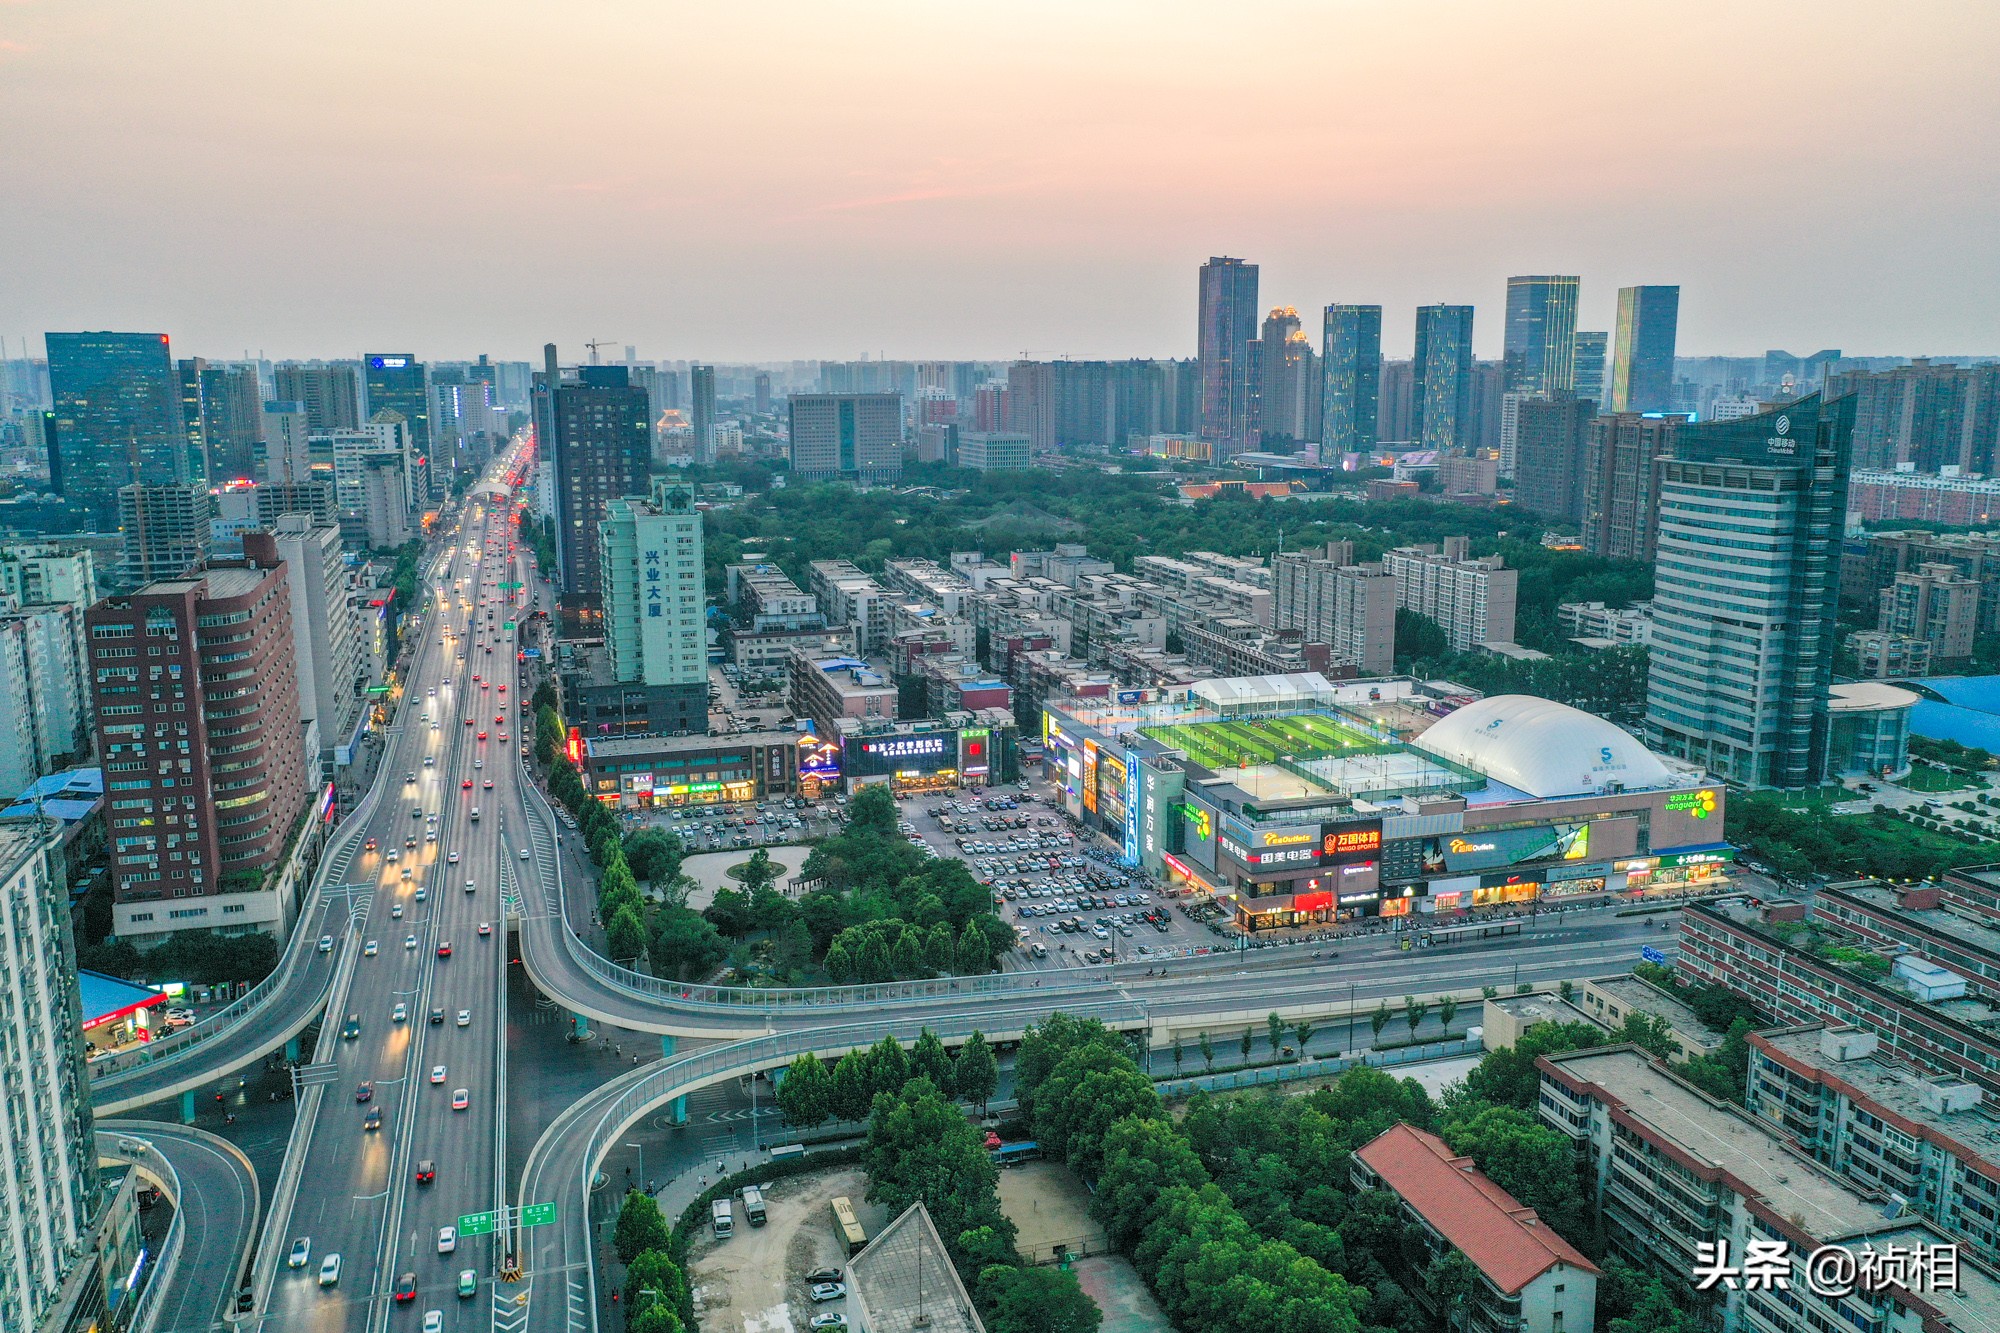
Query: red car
(468, 722)
(365, 1093)
(482, 735)
(444, 950)
(465, 785)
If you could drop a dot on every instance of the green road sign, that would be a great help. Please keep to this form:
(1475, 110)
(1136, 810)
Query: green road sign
(475, 1224)
(510, 587)
(537, 1214)
(510, 625)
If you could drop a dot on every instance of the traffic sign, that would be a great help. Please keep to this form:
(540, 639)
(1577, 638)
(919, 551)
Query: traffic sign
(1651, 955)
(510, 587)
(537, 1214)
(510, 627)
(476, 1224)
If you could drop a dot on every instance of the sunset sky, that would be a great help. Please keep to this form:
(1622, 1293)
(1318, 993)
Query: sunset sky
(826, 178)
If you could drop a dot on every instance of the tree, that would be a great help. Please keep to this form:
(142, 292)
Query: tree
(1508, 1077)
(922, 1148)
(685, 946)
(1649, 1032)
(940, 949)
(852, 1092)
(1274, 1032)
(1249, 1035)
(1418, 637)
(654, 1281)
(888, 1066)
(625, 935)
(1447, 1010)
(1379, 1019)
(759, 872)
(975, 1073)
(729, 913)
(1532, 1162)
(640, 1227)
(1414, 1011)
(975, 951)
(874, 811)
(1207, 1049)
(1451, 1279)
(929, 1059)
(1036, 1300)
(1303, 1029)
(805, 1094)
(654, 1319)
(1177, 1052)
(654, 855)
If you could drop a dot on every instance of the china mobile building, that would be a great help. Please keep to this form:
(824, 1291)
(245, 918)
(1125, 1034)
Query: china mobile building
(1292, 800)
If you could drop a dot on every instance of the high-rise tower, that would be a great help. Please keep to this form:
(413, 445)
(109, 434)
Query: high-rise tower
(1229, 364)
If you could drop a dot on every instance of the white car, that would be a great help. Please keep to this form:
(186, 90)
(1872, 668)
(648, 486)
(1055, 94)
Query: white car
(370, 949)
(329, 1271)
(301, 1254)
(460, 1099)
(451, 859)
(524, 853)
(434, 1320)
(326, 944)
(401, 1014)
(465, 1018)
(448, 1239)
(437, 1073)
(409, 941)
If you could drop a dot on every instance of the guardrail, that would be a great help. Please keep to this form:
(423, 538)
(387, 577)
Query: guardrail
(145, 1311)
(1330, 1066)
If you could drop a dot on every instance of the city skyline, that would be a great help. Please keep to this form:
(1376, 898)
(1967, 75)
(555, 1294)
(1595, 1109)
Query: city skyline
(632, 208)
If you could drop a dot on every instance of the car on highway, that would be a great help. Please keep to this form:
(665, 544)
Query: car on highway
(437, 1017)
(426, 1172)
(326, 944)
(447, 1239)
(465, 785)
(468, 1283)
(470, 886)
(488, 784)
(352, 1028)
(437, 1071)
(373, 1120)
(524, 853)
(395, 911)
(460, 1099)
(409, 941)
(444, 949)
(433, 1321)
(400, 1014)
(301, 1254)
(423, 894)
(370, 949)
(364, 1092)
(827, 1291)
(329, 1271)
(451, 859)
(406, 1289)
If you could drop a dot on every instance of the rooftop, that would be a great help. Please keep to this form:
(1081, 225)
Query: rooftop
(1644, 997)
(1899, 1087)
(1726, 1139)
(1942, 920)
(623, 747)
(905, 1276)
(1510, 1244)
(108, 998)
(1545, 748)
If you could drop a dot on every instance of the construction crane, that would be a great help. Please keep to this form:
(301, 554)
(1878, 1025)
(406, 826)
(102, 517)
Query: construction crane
(596, 343)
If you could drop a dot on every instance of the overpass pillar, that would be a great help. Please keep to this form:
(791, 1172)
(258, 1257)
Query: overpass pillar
(677, 1110)
(668, 1044)
(292, 1051)
(777, 1076)
(187, 1107)
(580, 1025)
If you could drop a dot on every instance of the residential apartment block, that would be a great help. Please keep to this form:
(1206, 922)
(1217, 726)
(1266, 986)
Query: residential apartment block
(1471, 600)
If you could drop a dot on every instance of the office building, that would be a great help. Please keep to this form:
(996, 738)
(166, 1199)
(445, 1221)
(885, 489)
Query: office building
(760, 394)
(164, 531)
(1530, 1280)
(1289, 382)
(1471, 600)
(703, 380)
(1351, 366)
(198, 728)
(398, 382)
(1539, 356)
(655, 627)
(49, 1186)
(381, 516)
(995, 451)
(331, 394)
(1642, 363)
(285, 454)
(1920, 497)
(592, 425)
(1395, 408)
(1935, 603)
(850, 596)
(1747, 590)
(1672, 1171)
(1441, 387)
(47, 722)
(1551, 441)
(1226, 337)
(222, 407)
(827, 689)
(117, 418)
(1592, 350)
(1621, 483)
(326, 636)
(1328, 598)
(847, 436)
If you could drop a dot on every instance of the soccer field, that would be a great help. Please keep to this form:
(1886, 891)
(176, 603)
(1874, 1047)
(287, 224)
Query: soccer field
(1262, 740)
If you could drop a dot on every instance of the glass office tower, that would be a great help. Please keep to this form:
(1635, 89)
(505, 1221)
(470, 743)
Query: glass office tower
(1351, 342)
(1539, 350)
(1441, 396)
(1642, 366)
(117, 418)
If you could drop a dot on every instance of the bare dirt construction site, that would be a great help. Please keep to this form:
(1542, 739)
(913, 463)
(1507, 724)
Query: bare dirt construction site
(1049, 1206)
(755, 1280)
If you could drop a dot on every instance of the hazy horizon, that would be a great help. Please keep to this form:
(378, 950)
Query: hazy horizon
(984, 181)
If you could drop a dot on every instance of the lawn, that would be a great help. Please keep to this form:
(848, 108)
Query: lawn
(1260, 741)
(1930, 778)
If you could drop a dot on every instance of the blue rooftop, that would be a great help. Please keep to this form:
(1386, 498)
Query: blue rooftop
(105, 998)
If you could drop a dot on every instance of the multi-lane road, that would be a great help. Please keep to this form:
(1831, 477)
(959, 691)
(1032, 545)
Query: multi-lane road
(423, 1018)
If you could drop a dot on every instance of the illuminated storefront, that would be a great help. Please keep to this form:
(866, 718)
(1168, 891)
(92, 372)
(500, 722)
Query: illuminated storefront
(913, 762)
(1677, 870)
(643, 772)
(819, 766)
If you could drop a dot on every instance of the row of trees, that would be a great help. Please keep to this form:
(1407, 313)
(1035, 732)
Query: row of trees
(656, 1293)
(1804, 841)
(811, 1093)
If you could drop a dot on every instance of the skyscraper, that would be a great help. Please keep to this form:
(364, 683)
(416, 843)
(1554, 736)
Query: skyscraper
(593, 427)
(1746, 592)
(651, 569)
(49, 1190)
(1591, 347)
(223, 408)
(1621, 482)
(1289, 394)
(117, 417)
(703, 378)
(398, 382)
(1540, 336)
(1351, 355)
(326, 633)
(1551, 436)
(1642, 368)
(1441, 394)
(166, 530)
(856, 436)
(1229, 365)
(330, 394)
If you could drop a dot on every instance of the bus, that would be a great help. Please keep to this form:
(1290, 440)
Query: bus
(848, 1227)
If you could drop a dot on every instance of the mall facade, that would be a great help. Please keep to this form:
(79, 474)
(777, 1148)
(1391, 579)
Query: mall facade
(1293, 800)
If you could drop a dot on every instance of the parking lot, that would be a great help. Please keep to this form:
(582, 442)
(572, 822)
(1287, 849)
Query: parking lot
(1071, 904)
(756, 1280)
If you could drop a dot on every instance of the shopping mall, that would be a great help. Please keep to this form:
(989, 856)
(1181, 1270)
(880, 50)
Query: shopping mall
(1294, 800)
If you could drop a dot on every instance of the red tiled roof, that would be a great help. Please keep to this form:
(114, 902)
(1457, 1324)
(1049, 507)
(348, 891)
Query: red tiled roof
(1506, 1242)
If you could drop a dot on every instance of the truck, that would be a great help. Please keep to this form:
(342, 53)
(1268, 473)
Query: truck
(720, 1219)
(753, 1205)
